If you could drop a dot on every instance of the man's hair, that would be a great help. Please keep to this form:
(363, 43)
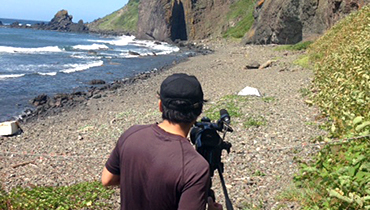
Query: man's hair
(186, 116)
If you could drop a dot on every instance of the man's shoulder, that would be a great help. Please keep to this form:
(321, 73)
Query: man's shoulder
(134, 129)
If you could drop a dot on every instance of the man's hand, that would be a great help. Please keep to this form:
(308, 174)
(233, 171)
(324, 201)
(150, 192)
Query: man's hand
(213, 205)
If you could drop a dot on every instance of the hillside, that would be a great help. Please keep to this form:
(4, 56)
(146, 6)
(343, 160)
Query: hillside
(123, 20)
(259, 22)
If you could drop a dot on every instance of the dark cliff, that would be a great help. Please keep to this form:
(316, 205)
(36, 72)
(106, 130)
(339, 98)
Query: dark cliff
(290, 21)
(274, 21)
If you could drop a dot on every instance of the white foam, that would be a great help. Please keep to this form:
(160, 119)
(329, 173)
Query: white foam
(47, 74)
(81, 67)
(160, 49)
(118, 41)
(91, 47)
(11, 76)
(7, 49)
(84, 57)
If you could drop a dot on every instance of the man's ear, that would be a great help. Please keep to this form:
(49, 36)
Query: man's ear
(160, 105)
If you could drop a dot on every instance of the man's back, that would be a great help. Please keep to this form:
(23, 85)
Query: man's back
(159, 170)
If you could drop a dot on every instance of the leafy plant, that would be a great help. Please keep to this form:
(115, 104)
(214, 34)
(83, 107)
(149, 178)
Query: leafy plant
(340, 176)
(342, 75)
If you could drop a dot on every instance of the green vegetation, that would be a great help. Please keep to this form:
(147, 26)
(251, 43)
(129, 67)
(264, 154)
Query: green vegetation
(234, 104)
(298, 46)
(229, 102)
(241, 12)
(268, 99)
(123, 20)
(303, 61)
(342, 75)
(90, 195)
(339, 176)
(255, 121)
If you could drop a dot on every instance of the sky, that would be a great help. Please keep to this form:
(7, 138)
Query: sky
(44, 10)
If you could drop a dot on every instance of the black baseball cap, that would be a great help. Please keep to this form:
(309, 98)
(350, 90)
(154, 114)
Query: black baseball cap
(184, 88)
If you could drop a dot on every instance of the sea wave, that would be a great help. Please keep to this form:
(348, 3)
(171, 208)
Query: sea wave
(118, 41)
(47, 74)
(7, 76)
(91, 47)
(84, 57)
(159, 48)
(7, 49)
(82, 67)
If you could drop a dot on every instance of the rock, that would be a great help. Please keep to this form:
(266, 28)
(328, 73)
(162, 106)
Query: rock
(266, 64)
(92, 52)
(1, 23)
(289, 21)
(15, 24)
(62, 21)
(133, 53)
(253, 65)
(96, 82)
(39, 100)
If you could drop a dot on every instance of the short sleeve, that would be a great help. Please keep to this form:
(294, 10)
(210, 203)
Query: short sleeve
(113, 162)
(195, 192)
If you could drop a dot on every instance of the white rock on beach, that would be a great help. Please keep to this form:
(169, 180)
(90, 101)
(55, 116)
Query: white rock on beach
(249, 91)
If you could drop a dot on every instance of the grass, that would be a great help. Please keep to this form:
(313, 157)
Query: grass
(254, 122)
(229, 102)
(268, 99)
(303, 61)
(241, 12)
(79, 196)
(295, 47)
(124, 19)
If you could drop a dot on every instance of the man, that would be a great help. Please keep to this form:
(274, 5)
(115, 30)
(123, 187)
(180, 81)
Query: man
(155, 165)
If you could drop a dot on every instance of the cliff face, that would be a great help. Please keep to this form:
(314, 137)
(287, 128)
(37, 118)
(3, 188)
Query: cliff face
(290, 21)
(275, 21)
(180, 19)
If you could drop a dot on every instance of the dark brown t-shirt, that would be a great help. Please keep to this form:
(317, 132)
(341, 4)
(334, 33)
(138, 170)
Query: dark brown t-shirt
(158, 170)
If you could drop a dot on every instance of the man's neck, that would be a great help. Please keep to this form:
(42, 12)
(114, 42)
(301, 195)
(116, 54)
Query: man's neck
(181, 129)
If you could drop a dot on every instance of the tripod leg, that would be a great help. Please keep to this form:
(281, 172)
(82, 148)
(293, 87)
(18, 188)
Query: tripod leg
(229, 205)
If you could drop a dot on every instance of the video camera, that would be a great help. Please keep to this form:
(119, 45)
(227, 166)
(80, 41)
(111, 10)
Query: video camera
(205, 136)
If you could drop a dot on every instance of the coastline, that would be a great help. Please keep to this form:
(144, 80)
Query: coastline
(46, 105)
(72, 146)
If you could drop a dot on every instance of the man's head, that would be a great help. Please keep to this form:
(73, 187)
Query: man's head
(182, 98)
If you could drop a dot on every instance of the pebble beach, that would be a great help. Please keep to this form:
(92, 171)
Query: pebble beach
(73, 145)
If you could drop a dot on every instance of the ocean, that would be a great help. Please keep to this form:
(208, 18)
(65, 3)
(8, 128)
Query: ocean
(33, 62)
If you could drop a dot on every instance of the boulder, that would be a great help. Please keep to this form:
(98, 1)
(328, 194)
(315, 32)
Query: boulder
(39, 100)
(97, 82)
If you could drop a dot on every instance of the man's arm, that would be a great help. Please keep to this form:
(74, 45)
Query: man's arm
(108, 179)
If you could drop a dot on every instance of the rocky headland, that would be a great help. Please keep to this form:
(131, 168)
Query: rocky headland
(62, 21)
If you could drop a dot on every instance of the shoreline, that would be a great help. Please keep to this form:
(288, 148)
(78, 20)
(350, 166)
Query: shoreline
(72, 146)
(50, 104)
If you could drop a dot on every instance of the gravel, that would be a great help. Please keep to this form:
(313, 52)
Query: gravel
(72, 146)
